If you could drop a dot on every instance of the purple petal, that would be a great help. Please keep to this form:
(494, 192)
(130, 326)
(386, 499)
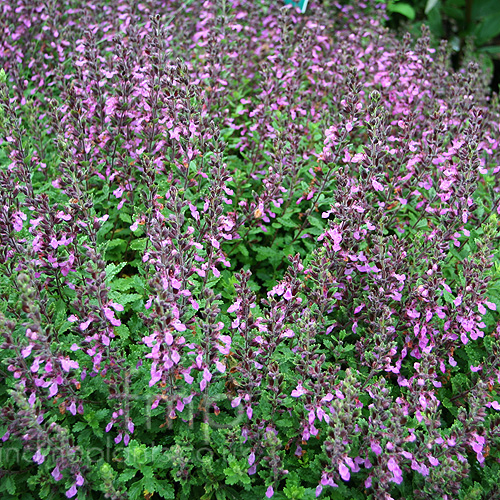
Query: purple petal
(71, 492)
(56, 474)
(38, 457)
(344, 472)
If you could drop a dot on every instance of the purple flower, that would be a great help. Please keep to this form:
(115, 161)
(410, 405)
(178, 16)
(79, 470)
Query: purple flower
(38, 457)
(53, 389)
(344, 472)
(56, 473)
(72, 491)
(393, 466)
(376, 448)
(110, 316)
(17, 220)
(26, 351)
(85, 324)
(299, 391)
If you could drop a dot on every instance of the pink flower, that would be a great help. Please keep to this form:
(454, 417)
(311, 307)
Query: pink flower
(56, 473)
(495, 405)
(175, 356)
(221, 367)
(207, 375)
(376, 448)
(110, 316)
(17, 220)
(38, 457)
(85, 324)
(53, 389)
(344, 472)
(175, 134)
(299, 391)
(67, 364)
(180, 327)
(71, 492)
(397, 472)
(26, 351)
(234, 307)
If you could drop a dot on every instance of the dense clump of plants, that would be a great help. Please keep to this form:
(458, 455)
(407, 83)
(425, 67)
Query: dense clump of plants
(245, 253)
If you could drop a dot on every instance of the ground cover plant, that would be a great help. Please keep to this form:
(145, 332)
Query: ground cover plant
(245, 253)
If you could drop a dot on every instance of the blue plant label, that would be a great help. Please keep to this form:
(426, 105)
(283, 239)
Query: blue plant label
(301, 4)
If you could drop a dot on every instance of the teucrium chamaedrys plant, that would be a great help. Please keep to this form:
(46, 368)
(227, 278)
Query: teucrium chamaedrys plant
(245, 253)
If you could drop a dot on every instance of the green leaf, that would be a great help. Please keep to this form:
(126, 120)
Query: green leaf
(449, 406)
(122, 284)
(125, 217)
(220, 495)
(483, 8)
(135, 491)
(7, 484)
(488, 29)
(122, 331)
(164, 489)
(430, 5)
(80, 426)
(287, 223)
(125, 298)
(319, 223)
(237, 472)
(243, 250)
(139, 244)
(117, 242)
(127, 475)
(147, 471)
(294, 492)
(266, 253)
(402, 8)
(113, 269)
